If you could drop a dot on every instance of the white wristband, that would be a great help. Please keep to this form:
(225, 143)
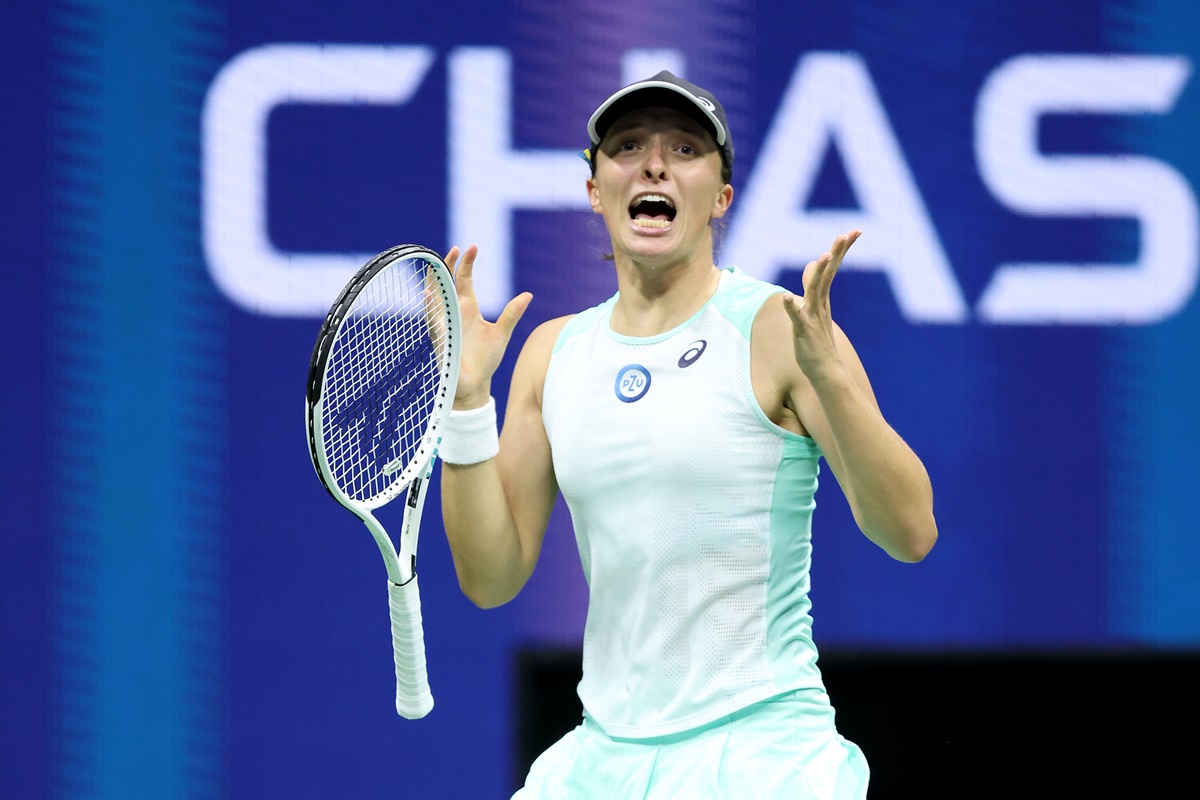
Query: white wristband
(470, 436)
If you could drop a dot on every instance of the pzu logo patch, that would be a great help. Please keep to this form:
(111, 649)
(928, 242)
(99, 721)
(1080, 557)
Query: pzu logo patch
(633, 381)
(693, 353)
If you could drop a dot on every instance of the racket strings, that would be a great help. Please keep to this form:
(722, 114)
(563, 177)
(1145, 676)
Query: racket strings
(384, 379)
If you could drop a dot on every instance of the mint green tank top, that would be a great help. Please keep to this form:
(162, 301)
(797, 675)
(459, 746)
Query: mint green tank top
(693, 516)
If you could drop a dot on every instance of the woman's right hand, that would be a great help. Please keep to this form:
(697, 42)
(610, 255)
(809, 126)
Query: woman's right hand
(484, 342)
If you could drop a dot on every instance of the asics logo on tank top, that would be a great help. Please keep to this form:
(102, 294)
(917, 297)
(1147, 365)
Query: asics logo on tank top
(633, 381)
(693, 353)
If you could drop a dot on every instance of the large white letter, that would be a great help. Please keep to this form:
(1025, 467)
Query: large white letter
(831, 98)
(244, 263)
(1163, 277)
(488, 179)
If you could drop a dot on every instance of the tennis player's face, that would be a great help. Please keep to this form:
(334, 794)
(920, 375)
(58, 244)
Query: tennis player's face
(658, 185)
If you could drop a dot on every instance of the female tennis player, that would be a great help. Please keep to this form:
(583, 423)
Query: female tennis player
(683, 421)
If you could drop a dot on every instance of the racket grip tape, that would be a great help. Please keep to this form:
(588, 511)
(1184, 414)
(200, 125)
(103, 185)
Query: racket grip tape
(413, 698)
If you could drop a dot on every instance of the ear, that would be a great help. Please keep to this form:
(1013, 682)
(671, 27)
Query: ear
(594, 196)
(723, 202)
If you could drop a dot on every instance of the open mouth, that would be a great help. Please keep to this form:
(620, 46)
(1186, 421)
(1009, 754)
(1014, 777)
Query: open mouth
(652, 211)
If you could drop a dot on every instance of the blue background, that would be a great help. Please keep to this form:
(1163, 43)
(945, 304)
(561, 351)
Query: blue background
(185, 613)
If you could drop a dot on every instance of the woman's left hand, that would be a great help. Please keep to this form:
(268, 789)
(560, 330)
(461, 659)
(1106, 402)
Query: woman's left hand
(812, 322)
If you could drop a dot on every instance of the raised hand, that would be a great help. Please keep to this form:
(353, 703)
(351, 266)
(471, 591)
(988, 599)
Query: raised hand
(812, 322)
(484, 342)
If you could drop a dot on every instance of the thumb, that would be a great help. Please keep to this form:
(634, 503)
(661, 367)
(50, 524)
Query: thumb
(513, 312)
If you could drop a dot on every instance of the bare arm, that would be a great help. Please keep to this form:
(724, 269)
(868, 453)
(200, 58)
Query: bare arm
(496, 512)
(827, 389)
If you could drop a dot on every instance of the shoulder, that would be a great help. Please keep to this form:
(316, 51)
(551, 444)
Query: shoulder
(741, 298)
(533, 363)
(771, 342)
(541, 342)
(549, 336)
(546, 335)
(770, 327)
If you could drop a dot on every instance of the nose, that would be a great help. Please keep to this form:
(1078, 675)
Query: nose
(656, 162)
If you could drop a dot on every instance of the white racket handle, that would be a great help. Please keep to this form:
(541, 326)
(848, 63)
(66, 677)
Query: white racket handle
(413, 698)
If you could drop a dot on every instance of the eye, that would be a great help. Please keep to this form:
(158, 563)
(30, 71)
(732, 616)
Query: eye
(687, 150)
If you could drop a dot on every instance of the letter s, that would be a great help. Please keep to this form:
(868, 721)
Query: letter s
(1163, 278)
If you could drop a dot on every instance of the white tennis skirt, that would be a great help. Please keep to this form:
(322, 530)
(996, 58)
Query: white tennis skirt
(786, 747)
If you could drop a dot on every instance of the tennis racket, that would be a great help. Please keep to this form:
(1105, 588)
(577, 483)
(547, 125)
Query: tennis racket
(382, 380)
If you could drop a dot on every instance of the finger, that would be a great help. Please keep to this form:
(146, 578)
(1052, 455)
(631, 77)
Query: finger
(816, 284)
(512, 313)
(468, 262)
(456, 254)
(806, 278)
(464, 272)
(435, 318)
(792, 305)
(841, 245)
(823, 279)
(430, 294)
(826, 276)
